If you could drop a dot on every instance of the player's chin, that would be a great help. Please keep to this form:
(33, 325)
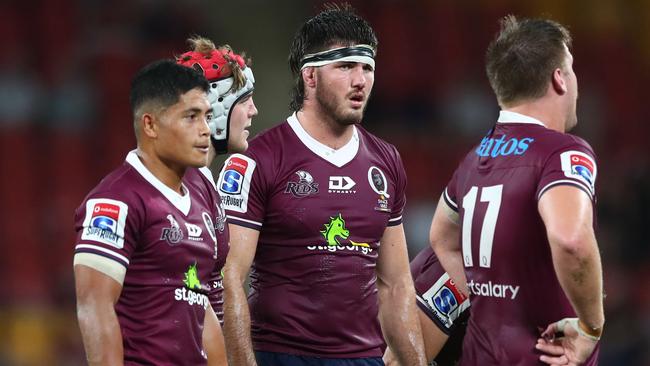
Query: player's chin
(238, 146)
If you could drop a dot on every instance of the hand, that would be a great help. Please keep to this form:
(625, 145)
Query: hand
(573, 349)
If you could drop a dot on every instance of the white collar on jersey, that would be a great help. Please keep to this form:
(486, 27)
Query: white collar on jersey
(182, 203)
(514, 117)
(338, 157)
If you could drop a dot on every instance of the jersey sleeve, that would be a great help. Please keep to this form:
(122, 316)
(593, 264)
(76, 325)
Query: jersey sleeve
(439, 297)
(450, 193)
(573, 165)
(106, 227)
(400, 180)
(242, 185)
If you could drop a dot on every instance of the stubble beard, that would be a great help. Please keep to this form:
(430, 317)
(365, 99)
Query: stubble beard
(335, 110)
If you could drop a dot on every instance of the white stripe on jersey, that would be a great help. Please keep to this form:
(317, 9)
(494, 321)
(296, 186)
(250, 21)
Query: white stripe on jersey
(450, 200)
(395, 219)
(244, 220)
(566, 181)
(95, 247)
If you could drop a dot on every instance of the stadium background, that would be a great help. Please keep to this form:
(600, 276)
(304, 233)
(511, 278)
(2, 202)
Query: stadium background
(65, 69)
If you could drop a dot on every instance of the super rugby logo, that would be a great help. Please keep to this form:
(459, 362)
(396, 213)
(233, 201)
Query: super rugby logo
(580, 166)
(445, 300)
(233, 176)
(235, 182)
(104, 222)
(304, 187)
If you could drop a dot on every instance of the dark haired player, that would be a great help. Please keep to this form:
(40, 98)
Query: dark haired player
(315, 206)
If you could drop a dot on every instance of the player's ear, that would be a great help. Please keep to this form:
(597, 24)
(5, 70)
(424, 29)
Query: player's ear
(559, 82)
(149, 125)
(309, 76)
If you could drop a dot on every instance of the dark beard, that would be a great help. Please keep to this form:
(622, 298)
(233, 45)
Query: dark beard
(329, 106)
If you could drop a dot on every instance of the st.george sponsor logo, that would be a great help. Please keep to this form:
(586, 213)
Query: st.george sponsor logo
(191, 297)
(502, 147)
(490, 289)
(187, 294)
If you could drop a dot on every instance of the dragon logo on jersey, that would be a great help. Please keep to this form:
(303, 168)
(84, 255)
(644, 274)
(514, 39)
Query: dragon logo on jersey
(191, 278)
(192, 284)
(172, 234)
(335, 230)
(303, 187)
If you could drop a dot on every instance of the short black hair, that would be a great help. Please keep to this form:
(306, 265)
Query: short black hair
(164, 81)
(336, 24)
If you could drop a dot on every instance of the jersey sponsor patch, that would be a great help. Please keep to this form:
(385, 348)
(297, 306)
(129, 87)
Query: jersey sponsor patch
(105, 221)
(445, 301)
(234, 182)
(580, 166)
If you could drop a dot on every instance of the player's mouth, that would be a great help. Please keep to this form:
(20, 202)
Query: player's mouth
(204, 148)
(357, 100)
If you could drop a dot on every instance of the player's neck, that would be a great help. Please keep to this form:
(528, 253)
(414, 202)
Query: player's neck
(168, 174)
(542, 110)
(323, 129)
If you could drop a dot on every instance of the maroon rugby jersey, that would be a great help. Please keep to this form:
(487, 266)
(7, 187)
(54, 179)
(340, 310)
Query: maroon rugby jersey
(321, 214)
(163, 248)
(507, 258)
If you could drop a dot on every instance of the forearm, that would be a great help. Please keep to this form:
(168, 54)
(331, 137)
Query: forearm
(451, 259)
(579, 271)
(237, 324)
(400, 323)
(101, 335)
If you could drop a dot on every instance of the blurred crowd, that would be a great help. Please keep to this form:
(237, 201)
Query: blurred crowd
(65, 71)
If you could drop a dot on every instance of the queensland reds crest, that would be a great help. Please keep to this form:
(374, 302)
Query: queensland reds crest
(304, 187)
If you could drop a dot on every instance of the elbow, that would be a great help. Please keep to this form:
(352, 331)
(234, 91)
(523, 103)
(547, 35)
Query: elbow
(573, 243)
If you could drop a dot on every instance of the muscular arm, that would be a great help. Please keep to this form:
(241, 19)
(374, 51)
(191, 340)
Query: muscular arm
(213, 343)
(567, 214)
(237, 322)
(444, 239)
(397, 309)
(97, 294)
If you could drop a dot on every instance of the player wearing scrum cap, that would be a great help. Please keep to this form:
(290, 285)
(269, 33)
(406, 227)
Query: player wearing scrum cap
(231, 98)
(315, 206)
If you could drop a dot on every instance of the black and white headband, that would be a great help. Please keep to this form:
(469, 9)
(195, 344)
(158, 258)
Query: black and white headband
(360, 53)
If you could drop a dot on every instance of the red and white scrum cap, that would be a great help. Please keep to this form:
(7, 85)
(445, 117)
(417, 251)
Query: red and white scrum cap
(216, 66)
